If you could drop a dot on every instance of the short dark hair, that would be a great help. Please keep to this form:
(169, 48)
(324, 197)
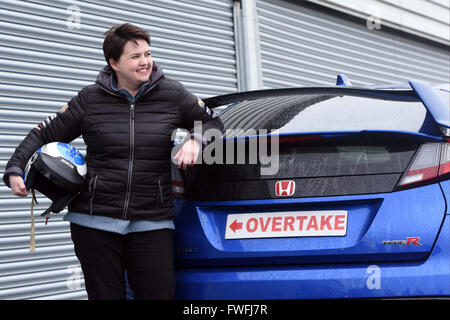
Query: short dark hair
(118, 35)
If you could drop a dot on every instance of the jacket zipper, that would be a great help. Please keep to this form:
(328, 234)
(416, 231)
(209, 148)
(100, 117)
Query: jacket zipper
(92, 186)
(130, 163)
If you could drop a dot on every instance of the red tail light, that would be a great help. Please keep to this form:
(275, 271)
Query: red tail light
(431, 162)
(444, 166)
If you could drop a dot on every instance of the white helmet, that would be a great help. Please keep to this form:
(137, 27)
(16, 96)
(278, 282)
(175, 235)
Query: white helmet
(58, 171)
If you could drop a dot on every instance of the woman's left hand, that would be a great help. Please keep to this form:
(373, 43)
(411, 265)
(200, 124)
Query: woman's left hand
(188, 154)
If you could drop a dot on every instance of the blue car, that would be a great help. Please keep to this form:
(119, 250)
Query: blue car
(319, 193)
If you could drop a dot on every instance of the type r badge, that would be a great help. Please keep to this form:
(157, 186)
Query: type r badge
(408, 241)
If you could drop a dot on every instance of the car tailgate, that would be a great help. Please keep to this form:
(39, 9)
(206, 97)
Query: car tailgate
(345, 210)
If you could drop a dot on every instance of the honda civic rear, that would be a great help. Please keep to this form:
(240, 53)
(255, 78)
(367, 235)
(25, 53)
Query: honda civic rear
(325, 192)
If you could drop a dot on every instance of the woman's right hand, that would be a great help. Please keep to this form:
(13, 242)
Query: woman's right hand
(18, 186)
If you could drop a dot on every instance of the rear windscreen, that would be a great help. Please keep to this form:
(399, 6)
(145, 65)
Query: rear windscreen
(329, 145)
(321, 113)
(337, 160)
(322, 166)
(356, 154)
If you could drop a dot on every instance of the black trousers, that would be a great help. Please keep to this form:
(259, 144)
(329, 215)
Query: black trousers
(146, 256)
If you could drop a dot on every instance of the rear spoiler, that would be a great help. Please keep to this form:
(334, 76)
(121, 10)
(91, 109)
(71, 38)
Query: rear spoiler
(396, 95)
(419, 92)
(434, 104)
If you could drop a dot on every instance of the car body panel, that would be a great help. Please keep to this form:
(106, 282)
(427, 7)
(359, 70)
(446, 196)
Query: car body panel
(428, 277)
(445, 185)
(372, 219)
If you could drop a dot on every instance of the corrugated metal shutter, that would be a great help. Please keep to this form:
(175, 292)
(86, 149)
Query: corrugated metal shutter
(303, 46)
(50, 50)
(429, 19)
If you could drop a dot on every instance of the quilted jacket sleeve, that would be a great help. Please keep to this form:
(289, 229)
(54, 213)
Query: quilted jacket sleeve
(194, 113)
(64, 126)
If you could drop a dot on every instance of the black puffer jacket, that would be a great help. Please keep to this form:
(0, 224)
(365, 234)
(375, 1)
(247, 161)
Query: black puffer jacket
(128, 145)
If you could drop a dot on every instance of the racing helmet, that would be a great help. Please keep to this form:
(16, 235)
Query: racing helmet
(57, 170)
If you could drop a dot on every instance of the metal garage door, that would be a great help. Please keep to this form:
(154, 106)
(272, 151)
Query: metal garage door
(303, 46)
(51, 49)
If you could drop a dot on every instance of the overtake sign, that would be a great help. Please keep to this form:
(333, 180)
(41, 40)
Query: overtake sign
(286, 224)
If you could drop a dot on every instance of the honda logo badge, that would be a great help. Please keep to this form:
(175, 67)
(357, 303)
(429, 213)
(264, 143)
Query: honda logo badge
(285, 188)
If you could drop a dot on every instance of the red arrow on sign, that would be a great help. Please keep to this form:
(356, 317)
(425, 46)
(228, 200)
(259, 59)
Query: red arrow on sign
(235, 225)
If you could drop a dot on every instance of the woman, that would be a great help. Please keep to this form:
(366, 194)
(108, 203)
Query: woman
(123, 218)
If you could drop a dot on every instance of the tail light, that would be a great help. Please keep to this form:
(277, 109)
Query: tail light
(430, 164)
(444, 166)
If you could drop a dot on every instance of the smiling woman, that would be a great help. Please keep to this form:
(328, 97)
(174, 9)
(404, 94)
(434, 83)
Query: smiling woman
(131, 59)
(134, 66)
(123, 217)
